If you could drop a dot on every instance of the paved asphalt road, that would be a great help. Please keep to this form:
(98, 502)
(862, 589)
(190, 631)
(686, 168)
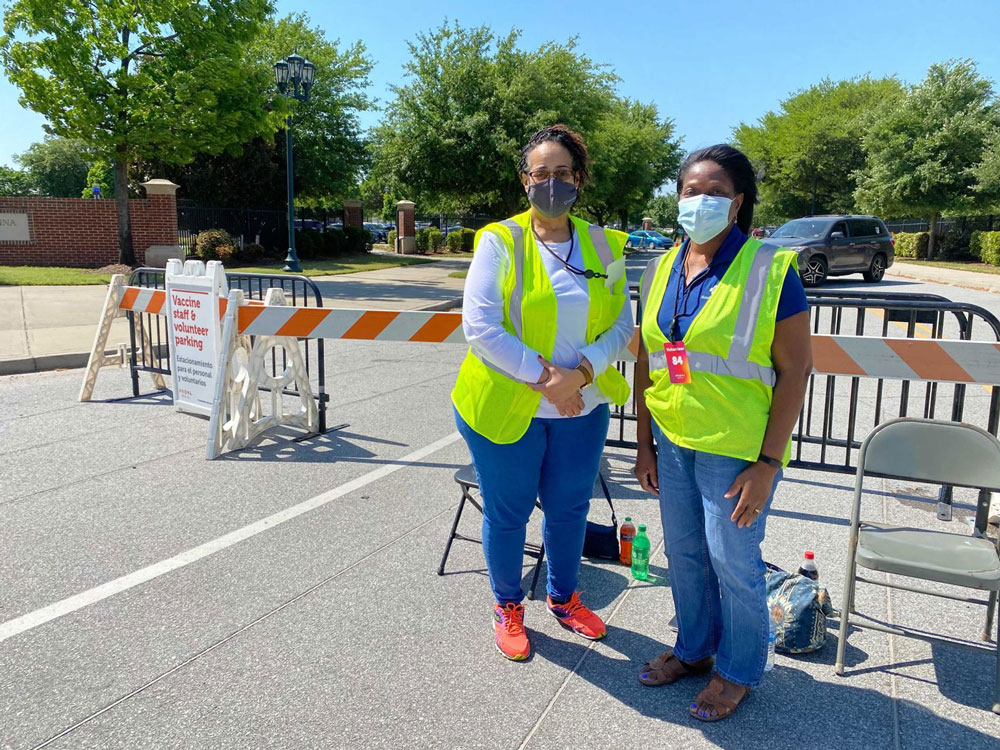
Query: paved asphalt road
(146, 603)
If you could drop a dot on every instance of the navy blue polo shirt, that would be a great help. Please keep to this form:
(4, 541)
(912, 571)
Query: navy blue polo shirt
(691, 298)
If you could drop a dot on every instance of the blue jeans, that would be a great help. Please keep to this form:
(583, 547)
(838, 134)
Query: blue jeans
(716, 569)
(556, 461)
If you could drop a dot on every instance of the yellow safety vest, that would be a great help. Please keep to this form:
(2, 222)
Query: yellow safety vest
(494, 404)
(725, 408)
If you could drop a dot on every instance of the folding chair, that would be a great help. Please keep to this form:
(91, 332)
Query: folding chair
(469, 482)
(947, 453)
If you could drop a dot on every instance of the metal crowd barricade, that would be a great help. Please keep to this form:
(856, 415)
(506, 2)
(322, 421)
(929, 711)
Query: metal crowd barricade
(839, 410)
(300, 291)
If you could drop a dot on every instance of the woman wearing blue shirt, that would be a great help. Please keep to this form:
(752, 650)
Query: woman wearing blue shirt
(724, 363)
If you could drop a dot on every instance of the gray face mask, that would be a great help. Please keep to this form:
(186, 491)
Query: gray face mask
(552, 198)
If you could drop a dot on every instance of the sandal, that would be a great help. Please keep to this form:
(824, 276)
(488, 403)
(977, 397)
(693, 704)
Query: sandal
(715, 704)
(667, 668)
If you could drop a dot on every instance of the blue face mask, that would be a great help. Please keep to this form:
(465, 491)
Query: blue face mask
(552, 198)
(704, 216)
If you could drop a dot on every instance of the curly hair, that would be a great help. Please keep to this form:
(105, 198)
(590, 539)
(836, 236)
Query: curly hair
(568, 139)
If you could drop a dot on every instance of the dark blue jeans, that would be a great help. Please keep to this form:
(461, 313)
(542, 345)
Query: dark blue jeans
(556, 461)
(716, 569)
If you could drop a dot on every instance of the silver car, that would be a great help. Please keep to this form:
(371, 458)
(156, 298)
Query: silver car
(837, 246)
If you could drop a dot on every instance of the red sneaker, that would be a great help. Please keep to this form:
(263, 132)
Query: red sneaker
(578, 618)
(508, 629)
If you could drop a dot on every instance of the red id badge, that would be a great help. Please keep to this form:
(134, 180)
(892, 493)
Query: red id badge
(677, 362)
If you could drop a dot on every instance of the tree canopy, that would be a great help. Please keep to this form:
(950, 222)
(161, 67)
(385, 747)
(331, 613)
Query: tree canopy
(158, 78)
(57, 166)
(453, 133)
(808, 152)
(922, 151)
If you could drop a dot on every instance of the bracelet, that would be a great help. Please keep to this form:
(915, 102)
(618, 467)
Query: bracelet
(773, 462)
(587, 377)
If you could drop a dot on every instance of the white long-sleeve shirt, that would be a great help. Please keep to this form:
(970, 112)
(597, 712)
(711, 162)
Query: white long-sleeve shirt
(482, 320)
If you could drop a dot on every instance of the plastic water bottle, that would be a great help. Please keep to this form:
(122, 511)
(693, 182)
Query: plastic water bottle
(772, 636)
(625, 546)
(640, 554)
(808, 567)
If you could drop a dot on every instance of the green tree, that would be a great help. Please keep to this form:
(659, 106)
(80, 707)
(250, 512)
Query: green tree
(16, 182)
(58, 166)
(987, 172)
(164, 79)
(808, 151)
(922, 151)
(329, 148)
(454, 130)
(633, 152)
(662, 209)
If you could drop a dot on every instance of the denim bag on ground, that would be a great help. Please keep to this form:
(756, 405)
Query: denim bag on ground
(799, 606)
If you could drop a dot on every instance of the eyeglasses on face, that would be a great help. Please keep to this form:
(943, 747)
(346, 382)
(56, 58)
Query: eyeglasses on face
(541, 175)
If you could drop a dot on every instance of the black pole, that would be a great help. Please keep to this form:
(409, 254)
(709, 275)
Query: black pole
(292, 260)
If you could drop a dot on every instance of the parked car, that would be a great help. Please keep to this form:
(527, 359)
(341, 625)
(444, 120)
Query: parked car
(448, 230)
(837, 246)
(335, 224)
(647, 238)
(377, 232)
(312, 224)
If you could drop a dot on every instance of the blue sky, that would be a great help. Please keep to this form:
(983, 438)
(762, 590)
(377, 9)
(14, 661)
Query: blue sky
(707, 65)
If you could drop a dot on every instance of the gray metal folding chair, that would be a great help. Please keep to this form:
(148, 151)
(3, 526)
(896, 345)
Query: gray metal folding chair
(947, 453)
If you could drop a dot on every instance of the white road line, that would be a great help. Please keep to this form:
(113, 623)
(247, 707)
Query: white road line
(84, 599)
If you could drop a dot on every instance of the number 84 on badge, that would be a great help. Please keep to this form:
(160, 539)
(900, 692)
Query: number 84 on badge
(677, 362)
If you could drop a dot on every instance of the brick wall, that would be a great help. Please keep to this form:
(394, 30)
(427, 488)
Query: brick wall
(79, 232)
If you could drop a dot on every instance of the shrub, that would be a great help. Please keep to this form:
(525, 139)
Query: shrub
(225, 253)
(334, 243)
(468, 239)
(308, 244)
(357, 240)
(953, 245)
(975, 245)
(251, 253)
(454, 241)
(423, 240)
(990, 247)
(208, 242)
(912, 245)
(392, 239)
(434, 239)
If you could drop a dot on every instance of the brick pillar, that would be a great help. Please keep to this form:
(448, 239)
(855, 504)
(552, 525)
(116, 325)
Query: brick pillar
(647, 223)
(353, 216)
(406, 235)
(156, 242)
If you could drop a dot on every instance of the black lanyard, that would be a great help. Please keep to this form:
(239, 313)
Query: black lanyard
(683, 294)
(586, 272)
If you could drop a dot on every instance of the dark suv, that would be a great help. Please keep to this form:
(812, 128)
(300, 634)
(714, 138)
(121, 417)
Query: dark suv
(837, 245)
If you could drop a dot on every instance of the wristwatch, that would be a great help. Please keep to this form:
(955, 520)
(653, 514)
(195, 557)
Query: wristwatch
(763, 458)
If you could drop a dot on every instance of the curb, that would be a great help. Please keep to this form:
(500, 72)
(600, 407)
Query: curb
(448, 304)
(70, 361)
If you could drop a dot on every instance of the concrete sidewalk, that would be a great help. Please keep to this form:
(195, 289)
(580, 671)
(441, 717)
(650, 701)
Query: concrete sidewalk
(52, 327)
(984, 282)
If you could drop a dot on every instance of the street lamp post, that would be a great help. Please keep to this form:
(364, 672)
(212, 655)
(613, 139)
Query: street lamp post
(294, 77)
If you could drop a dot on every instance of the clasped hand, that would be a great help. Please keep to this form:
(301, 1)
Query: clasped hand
(561, 386)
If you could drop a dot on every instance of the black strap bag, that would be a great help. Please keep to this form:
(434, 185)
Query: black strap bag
(601, 541)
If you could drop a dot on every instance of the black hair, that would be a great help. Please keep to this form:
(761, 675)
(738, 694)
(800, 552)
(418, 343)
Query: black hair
(740, 171)
(568, 139)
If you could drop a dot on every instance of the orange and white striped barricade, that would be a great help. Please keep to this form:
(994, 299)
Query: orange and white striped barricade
(233, 424)
(237, 417)
(120, 300)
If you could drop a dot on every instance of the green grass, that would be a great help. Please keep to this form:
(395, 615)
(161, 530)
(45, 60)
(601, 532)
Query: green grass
(458, 274)
(50, 276)
(957, 265)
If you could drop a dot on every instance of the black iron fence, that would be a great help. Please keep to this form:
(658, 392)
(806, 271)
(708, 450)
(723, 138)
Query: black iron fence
(155, 329)
(840, 410)
(963, 224)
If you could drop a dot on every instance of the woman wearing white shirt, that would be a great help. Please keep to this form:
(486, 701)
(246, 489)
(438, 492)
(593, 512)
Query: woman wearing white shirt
(546, 314)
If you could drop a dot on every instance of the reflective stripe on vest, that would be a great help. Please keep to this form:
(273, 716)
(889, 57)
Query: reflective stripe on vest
(514, 307)
(737, 364)
(647, 279)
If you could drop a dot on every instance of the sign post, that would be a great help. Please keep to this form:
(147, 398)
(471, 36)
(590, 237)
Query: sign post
(194, 292)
